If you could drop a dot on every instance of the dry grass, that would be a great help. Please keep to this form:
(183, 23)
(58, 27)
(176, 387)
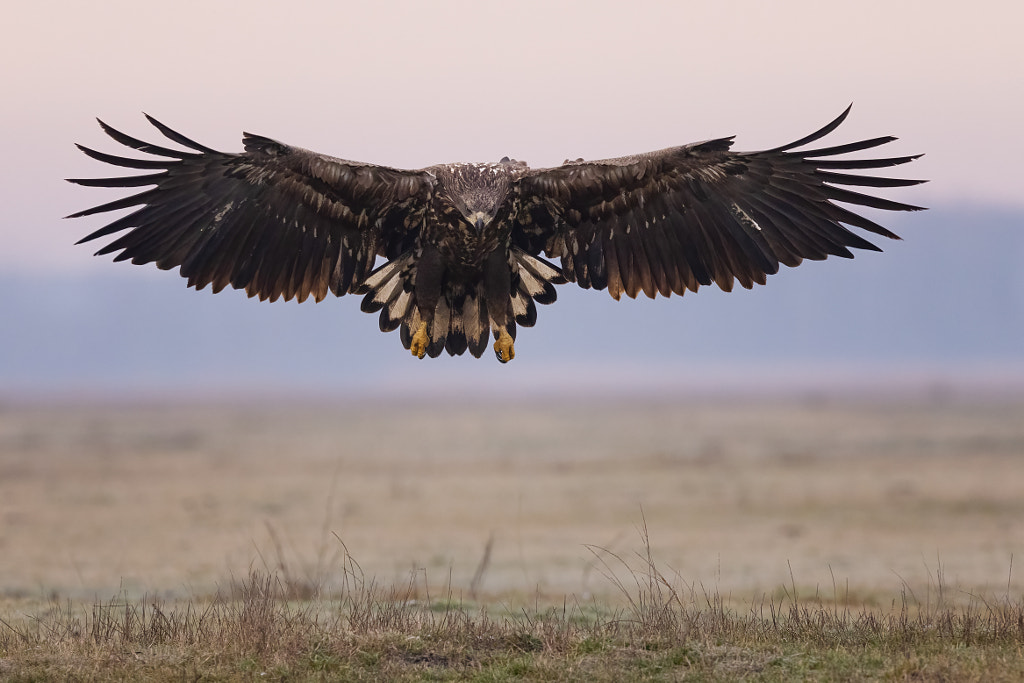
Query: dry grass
(270, 627)
(789, 542)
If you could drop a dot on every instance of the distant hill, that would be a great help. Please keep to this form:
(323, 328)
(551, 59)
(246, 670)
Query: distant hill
(950, 295)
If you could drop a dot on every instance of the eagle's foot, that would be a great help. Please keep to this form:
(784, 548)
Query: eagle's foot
(420, 341)
(503, 348)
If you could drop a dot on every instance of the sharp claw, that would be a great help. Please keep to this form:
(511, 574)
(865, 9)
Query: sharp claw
(503, 347)
(418, 347)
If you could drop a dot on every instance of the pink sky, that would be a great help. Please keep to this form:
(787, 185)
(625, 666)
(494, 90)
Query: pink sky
(414, 83)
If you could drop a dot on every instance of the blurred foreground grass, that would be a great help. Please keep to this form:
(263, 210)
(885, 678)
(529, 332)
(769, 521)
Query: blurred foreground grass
(264, 627)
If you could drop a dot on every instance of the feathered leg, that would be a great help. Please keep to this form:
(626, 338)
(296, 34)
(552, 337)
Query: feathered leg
(429, 277)
(498, 290)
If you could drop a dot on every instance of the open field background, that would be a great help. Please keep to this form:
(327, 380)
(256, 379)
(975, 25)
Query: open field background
(742, 498)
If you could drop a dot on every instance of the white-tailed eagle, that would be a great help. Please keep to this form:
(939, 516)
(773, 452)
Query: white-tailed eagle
(462, 242)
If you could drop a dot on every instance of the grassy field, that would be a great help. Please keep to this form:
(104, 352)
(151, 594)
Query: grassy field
(260, 631)
(792, 540)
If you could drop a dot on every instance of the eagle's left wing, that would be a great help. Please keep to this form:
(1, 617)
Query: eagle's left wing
(673, 220)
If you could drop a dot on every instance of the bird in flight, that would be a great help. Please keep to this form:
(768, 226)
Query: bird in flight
(465, 246)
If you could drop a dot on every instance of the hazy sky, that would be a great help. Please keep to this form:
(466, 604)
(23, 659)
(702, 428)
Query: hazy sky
(415, 83)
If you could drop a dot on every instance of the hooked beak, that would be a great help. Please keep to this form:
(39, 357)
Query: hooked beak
(480, 219)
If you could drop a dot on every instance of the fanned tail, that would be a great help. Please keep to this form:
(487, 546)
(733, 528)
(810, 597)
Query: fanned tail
(461, 320)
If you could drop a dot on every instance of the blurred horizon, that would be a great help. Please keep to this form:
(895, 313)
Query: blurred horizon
(409, 84)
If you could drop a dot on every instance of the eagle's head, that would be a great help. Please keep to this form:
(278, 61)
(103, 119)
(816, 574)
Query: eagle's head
(479, 191)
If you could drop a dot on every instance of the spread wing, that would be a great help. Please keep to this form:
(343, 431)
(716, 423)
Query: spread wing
(276, 221)
(679, 218)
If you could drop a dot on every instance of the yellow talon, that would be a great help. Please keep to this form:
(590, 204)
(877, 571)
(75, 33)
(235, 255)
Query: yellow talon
(503, 348)
(419, 341)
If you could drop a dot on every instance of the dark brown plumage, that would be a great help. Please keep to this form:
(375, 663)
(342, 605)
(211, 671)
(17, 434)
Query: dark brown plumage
(463, 242)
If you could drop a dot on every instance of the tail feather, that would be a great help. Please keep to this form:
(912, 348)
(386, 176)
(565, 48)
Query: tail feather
(456, 344)
(476, 322)
(389, 290)
(461, 320)
(523, 308)
(434, 348)
(396, 311)
(533, 280)
(538, 277)
(411, 322)
(442, 321)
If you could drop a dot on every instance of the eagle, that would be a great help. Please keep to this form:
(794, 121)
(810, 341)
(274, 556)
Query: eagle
(470, 249)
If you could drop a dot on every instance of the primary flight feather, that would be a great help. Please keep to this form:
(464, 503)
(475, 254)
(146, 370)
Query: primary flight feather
(462, 242)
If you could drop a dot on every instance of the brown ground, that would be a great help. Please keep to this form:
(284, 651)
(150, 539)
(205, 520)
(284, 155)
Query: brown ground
(175, 501)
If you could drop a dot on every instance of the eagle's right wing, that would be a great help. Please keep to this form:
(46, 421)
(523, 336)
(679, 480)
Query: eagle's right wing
(276, 221)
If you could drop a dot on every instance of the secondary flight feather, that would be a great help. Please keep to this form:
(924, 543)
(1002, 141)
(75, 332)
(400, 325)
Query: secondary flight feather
(469, 249)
